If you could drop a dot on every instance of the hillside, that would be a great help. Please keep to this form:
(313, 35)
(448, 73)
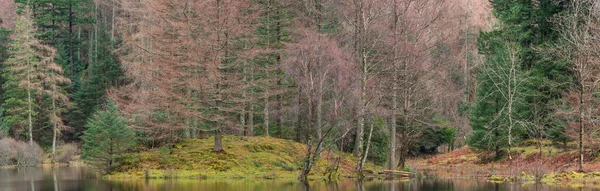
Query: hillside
(250, 157)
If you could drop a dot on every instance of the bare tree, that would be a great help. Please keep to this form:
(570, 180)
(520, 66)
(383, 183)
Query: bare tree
(411, 42)
(579, 31)
(319, 67)
(507, 80)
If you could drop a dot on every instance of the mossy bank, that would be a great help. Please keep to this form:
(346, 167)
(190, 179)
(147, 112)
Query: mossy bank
(243, 157)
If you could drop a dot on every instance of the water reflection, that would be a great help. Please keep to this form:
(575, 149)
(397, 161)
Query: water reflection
(78, 178)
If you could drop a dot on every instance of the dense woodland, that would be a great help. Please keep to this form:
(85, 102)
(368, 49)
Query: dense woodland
(383, 79)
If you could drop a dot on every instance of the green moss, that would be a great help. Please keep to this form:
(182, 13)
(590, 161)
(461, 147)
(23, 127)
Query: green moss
(496, 179)
(251, 157)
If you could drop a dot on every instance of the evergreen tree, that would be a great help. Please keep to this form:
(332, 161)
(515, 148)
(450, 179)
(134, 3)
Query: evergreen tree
(531, 26)
(106, 139)
(104, 72)
(53, 82)
(4, 42)
(22, 75)
(500, 112)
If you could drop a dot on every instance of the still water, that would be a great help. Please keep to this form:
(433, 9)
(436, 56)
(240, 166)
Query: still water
(78, 178)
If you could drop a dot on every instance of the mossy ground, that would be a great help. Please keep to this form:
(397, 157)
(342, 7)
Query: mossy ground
(247, 157)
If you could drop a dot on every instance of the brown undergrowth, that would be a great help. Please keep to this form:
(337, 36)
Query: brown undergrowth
(552, 165)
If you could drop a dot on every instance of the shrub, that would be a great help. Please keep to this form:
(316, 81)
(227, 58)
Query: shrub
(7, 151)
(66, 153)
(13, 152)
(28, 154)
(164, 151)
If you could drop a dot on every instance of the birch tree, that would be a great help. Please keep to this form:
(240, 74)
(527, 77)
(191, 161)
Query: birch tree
(579, 31)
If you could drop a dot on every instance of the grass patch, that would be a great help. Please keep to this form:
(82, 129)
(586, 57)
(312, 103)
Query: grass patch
(251, 157)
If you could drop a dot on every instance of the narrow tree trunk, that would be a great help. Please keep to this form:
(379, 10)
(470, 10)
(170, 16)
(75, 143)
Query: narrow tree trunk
(392, 151)
(299, 116)
(279, 132)
(72, 65)
(358, 147)
(581, 118)
(279, 76)
(218, 141)
(30, 108)
(319, 124)
(266, 117)
(251, 120)
(307, 161)
(112, 33)
(364, 159)
(267, 95)
(54, 129)
(79, 40)
(243, 112)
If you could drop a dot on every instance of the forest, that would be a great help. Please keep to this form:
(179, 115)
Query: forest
(383, 80)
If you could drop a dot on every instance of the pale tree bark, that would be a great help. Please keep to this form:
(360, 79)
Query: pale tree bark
(579, 31)
(393, 123)
(267, 71)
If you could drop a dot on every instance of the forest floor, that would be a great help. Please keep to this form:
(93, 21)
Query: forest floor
(552, 166)
(243, 157)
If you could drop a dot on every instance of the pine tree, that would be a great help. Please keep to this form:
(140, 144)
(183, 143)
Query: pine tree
(107, 139)
(531, 24)
(53, 82)
(104, 72)
(22, 74)
(499, 113)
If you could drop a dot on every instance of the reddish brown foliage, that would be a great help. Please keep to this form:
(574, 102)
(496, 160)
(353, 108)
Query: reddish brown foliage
(7, 13)
(177, 53)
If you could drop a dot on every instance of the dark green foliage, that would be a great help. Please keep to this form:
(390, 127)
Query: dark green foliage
(87, 59)
(107, 139)
(4, 42)
(21, 77)
(528, 24)
(59, 22)
(379, 145)
(104, 72)
(490, 114)
(433, 137)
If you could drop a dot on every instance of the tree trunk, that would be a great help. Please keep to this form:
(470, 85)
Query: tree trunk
(279, 132)
(112, 33)
(279, 76)
(244, 108)
(54, 129)
(251, 120)
(266, 109)
(364, 159)
(319, 125)
(358, 147)
(392, 151)
(299, 116)
(71, 64)
(581, 118)
(30, 110)
(266, 117)
(218, 141)
(359, 51)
